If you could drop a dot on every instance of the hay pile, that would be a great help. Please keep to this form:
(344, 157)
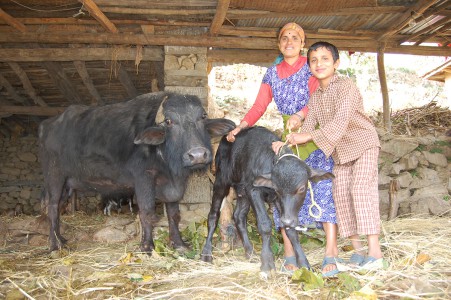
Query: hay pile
(427, 119)
(417, 249)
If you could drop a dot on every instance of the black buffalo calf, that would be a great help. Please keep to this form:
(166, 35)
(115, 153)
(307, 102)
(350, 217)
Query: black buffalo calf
(250, 166)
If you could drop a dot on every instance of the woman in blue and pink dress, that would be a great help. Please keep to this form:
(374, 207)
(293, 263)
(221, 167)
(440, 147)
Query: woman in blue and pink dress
(289, 82)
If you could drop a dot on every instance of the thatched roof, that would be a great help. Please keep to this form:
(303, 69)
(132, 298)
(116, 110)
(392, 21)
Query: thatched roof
(54, 53)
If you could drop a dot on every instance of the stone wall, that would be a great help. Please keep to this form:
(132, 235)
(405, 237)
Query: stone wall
(20, 175)
(421, 166)
(415, 173)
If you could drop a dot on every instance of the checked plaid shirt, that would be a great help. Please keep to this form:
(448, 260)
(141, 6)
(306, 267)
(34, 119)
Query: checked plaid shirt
(345, 131)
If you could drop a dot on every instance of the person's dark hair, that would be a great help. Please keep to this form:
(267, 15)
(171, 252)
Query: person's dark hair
(326, 45)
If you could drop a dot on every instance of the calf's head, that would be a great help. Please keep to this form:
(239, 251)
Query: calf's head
(289, 178)
(182, 132)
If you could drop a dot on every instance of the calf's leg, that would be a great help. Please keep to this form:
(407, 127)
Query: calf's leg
(264, 226)
(219, 192)
(302, 261)
(240, 218)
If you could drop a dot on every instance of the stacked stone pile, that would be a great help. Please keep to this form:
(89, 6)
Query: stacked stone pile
(415, 173)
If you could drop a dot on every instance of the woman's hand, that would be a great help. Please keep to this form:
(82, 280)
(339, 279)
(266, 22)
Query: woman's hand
(294, 122)
(298, 138)
(231, 134)
(276, 146)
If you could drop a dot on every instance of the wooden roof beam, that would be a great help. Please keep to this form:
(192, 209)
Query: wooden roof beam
(27, 84)
(84, 54)
(31, 110)
(56, 72)
(127, 83)
(99, 15)
(12, 21)
(406, 17)
(12, 91)
(87, 81)
(220, 16)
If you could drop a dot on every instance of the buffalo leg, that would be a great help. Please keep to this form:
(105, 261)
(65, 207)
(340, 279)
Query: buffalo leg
(264, 226)
(55, 193)
(219, 192)
(240, 218)
(147, 214)
(293, 236)
(173, 211)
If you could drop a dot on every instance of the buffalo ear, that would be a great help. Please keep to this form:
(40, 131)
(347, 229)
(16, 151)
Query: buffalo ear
(219, 127)
(151, 136)
(264, 181)
(317, 175)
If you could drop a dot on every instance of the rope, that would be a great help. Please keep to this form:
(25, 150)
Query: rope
(314, 204)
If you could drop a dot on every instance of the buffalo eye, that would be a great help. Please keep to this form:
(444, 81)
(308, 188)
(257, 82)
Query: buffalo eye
(204, 116)
(168, 122)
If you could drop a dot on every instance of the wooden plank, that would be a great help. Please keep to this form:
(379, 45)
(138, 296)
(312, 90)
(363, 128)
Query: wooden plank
(242, 56)
(99, 16)
(85, 54)
(209, 41)
(31, 110)
(11, 91)
(163, 12)
(140, 39)
(127, 82)
(164, 3)
(83, 72)
(70, 21)
(12, 21)
(62, 82)
(220, 15)
(27, 84)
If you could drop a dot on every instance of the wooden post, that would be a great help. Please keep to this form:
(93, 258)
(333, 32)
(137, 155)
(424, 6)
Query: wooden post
(384, 89)
(392, 199)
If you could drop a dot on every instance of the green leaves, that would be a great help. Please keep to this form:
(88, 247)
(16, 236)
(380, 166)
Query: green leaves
(309, 279)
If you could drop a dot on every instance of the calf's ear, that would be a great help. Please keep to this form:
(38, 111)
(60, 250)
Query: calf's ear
(219, 127)
(264, 181)
(317, 175)
(151, 136)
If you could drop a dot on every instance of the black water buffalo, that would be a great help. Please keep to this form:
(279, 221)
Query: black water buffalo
(148, 145)
(251, 167)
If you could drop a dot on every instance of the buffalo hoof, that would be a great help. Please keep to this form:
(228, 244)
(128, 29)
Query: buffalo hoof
(265, 275)
(147, 249)
(60, 253)
(207, 258)
(182, 249)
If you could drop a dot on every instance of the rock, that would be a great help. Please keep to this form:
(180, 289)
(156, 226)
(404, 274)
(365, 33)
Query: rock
(410, 161)
(399, 147)
(27, 156)
(424, 177)
(110, 235)
(405, 179)
(437, 159)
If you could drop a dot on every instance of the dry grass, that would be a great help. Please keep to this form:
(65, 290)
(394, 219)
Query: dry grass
(417, 249)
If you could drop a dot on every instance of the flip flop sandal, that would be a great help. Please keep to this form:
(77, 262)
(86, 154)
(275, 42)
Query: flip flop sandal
(289, 260)
(331, 261)
(372, 263)
(356, 259)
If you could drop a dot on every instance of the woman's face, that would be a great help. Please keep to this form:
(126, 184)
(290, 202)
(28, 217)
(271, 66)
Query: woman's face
(291, 43)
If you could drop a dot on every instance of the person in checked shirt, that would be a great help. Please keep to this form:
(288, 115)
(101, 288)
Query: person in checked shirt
(345, 133)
